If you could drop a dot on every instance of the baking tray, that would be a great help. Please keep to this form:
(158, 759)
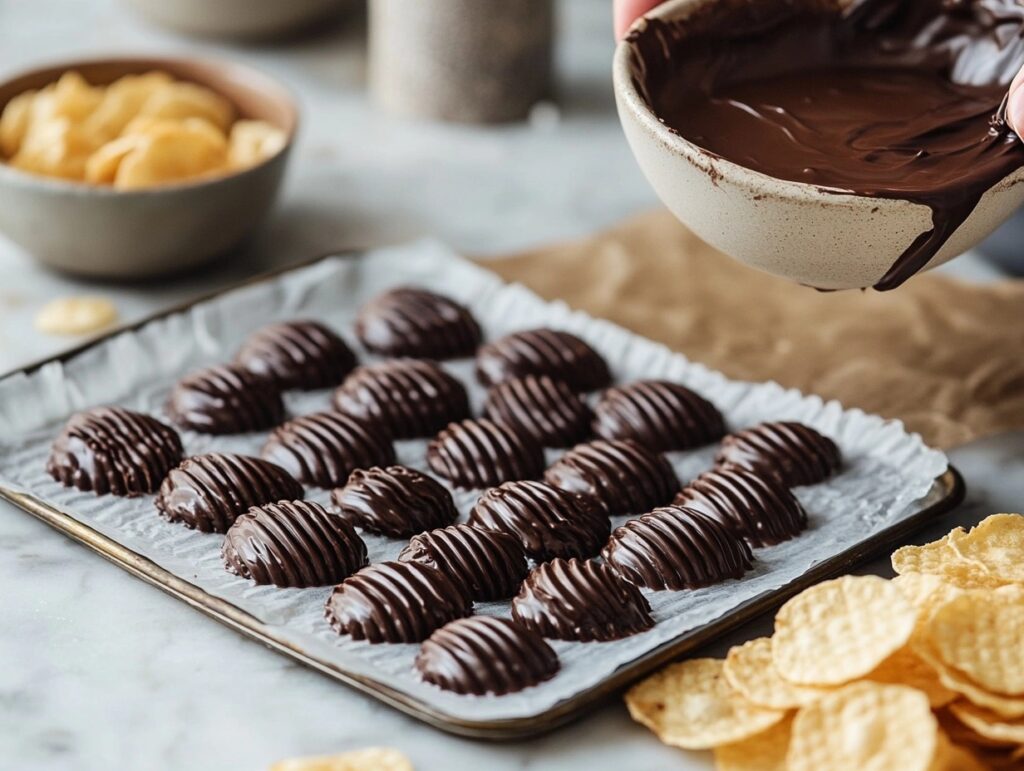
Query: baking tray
(946, 493)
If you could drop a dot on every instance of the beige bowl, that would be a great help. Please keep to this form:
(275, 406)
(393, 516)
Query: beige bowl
(105, 233)
(238, 18)
(789, 229)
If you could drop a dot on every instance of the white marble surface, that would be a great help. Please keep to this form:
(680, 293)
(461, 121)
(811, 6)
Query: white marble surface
(104, 672)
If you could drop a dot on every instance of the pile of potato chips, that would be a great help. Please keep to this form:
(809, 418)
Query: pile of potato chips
(921, 673)
(140, 131)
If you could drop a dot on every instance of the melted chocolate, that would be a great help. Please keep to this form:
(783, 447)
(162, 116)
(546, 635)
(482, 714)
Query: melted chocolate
(110, 450)
(395, 602)
(208, 492)
(582, 601)
(559, 355)
(325, 447)
(412, 397)
(225, 399)
(484, 654)
(549, 522)
(538, 405)
(488, 564)
(293, 543)
(415, 322)
(395, 501)
(626, 477)
(884, 98)
(482, 453)
(756, 507)
(793, 453)
(659, 415)
(676, 548)
(297, 354)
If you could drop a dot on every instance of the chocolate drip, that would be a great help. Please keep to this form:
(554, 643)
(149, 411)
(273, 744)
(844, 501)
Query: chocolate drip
(488, 564)
(484, 654)
(559, 355)
(325, 447)
(482, 453)
(395, 501)
(757, 508)
(676, 548)
(793, 453)
(582, 601)
(549, 522)
(415, 322)
(395, 602)
(625, 477)
(110, 450)
(297, 354)
(659, 415)
(225, 399)
(293, 543)
(412, 397)
(538, 405)
(208, 492)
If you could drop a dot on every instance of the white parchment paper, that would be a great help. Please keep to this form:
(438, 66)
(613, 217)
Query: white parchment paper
(885, 471)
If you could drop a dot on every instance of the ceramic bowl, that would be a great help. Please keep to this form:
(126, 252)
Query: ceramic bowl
(790, 229)
(104, 233)
(247, 19)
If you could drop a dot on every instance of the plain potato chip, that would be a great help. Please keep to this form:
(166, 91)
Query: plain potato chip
(122, 101)
(750, 671)
(14, 122)
(183, 151)
(997, 543)
(1006, 706)
(370, 759)
(988, 724)
(179, 100)
(55, 148)
(75, 315)
(253, 141)
(691, 705)
(939, 558)
(101, 167)
(906, 667)
(73, 98)
(765, 751)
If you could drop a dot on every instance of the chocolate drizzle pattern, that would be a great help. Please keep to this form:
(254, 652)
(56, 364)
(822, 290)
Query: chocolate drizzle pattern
(293, 543)
(541, 406)
(414, 322)
(111, 450)
(626, 477)
(559, 355)
(488, 564)
(549, 522)
(482, 453)
(395, 602)
(297, 354)
(325, 447)
(756, 507)
(582, 601)
(225, 399)
(793, 453)
(485, 655)
(659, 415)
(395, 501)
(208, 492)
(676, 548)
(412, 397)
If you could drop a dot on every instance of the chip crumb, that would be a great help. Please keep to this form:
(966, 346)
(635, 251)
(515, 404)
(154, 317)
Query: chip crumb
(369, 759)
(75, 316)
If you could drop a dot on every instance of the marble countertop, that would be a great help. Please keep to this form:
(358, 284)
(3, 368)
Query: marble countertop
(103, 671)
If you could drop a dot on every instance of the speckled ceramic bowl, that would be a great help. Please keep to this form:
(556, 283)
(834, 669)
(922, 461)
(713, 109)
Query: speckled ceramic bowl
(104, 233)
(790, 229)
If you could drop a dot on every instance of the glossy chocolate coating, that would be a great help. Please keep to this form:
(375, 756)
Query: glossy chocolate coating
(412, 397)
(793, 453)
(114, 450)
(297, 354)
(625, 477)
(225, 399)
(293, 543)
(676, 548)
(547, 409)
(414, 322)
(484, 654)
(582, 601)
(325, 447)
(482, 453)
(208, 492)
(756, 507)
(488, 564)
(395, 602)
(557, 354)
(395, 501)
(659, 415)
(549, 522)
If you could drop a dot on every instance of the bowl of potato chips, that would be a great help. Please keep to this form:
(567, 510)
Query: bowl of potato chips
(134, 168)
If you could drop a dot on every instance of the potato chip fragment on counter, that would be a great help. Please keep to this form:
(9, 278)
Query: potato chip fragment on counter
(370, 759)
(75, 316)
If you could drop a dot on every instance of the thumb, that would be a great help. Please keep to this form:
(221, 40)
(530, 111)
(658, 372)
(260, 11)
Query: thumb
(628, 11)
(1015, 105)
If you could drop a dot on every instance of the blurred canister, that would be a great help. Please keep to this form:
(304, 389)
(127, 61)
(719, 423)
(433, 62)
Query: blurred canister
(478, 61)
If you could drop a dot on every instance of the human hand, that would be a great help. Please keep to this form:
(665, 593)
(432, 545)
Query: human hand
(1015, 105)
(628, 11)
